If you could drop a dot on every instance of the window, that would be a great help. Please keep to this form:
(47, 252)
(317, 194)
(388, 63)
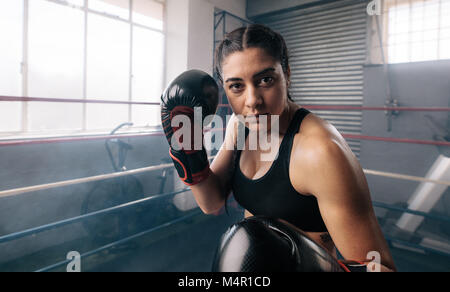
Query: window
(11, 48)
(108, 70)
(119, 8)
(417, 30)
(147, 61)
(55, 65)
(148, 13)
(109, 50)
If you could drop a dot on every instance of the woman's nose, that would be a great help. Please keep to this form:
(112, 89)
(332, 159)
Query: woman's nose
(252, 100)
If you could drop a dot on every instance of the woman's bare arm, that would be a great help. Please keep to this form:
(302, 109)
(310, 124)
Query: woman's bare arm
(211, 194)
(331, 173)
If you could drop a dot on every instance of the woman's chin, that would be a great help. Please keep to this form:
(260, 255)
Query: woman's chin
(259, 127)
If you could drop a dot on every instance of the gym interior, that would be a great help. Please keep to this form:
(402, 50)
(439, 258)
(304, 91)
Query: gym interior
(86, 167)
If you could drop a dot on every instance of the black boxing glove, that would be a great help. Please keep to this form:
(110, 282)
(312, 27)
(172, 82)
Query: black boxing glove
(192, 89)
(261, 244)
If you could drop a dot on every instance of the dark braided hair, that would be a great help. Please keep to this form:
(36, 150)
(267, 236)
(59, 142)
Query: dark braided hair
(252, 36)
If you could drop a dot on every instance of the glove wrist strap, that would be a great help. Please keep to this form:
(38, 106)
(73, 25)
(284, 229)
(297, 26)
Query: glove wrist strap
(192, 168)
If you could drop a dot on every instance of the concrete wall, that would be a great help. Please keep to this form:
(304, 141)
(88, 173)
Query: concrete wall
(421, 84)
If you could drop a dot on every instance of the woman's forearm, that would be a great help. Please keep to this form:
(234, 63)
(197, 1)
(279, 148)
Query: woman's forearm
(210, 194)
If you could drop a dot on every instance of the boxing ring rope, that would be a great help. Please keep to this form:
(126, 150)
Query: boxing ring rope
(42, 228)
(415, 245)
(103, 137)
(75, 139)
(377, 108)
(414, 212)
(31, 231)
(65, 183)
(160, 133)
(405, 177)
(13, 142)
(121, 241)
(314, 107)
(18, 191)
(396, 140)
(183, 218)
(67, 100)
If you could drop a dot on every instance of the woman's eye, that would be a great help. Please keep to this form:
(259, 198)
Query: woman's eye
(236, 86)
(266, 81)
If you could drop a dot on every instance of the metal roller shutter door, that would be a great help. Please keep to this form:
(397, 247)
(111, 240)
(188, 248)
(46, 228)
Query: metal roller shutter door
(327, 46)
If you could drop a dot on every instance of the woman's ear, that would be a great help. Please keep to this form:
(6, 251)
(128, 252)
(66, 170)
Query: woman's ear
(288, 76)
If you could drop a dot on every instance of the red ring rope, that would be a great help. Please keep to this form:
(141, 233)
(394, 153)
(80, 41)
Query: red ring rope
(396, 140)
(102, 137)
(124, 136)
(377, 108)
(313, 107)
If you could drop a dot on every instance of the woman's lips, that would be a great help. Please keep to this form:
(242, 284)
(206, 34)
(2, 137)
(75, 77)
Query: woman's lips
(252, 118)
(257, 115)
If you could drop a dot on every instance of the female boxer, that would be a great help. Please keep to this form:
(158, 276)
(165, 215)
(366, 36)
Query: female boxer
(315, 183)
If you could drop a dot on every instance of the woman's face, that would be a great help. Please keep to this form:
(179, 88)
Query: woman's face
(255, 84)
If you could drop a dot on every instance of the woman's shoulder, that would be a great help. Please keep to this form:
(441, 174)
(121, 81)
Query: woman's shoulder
(317, 146)
(315, 131)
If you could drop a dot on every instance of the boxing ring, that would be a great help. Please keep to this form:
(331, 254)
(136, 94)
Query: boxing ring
(430, 189)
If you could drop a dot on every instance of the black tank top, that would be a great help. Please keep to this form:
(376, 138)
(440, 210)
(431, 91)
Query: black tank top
(273, 194)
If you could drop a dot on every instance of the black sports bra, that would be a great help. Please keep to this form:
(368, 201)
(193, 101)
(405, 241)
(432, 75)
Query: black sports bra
(273, 195)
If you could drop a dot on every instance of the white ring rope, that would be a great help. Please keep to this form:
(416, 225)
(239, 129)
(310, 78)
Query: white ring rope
(406, 177)
(35, 188)
(65, 183)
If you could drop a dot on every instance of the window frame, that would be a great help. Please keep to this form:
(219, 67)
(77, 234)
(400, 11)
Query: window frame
(387, 5)
(25, 133)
